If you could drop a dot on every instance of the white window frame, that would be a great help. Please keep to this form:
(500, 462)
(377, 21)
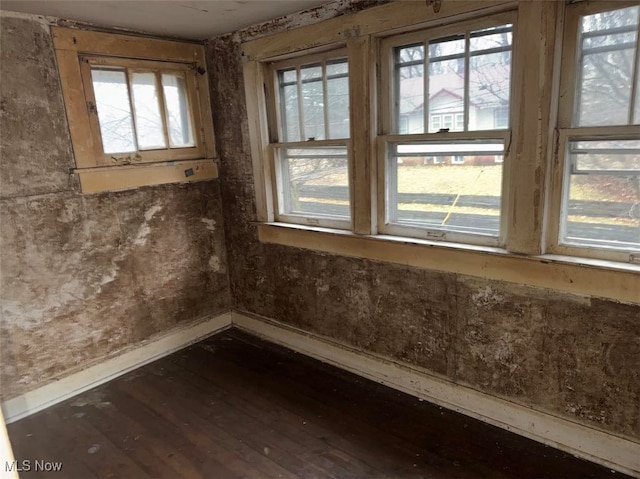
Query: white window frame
(275, 127)
(566, 133)
(386, 224)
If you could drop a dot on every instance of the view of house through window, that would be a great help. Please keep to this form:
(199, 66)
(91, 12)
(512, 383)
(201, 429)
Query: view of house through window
(314, 109)
(454, 85)
(601, 205)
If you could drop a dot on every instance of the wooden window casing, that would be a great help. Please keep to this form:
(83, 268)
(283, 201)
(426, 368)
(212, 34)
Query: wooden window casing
(77, 52)
(532, 176)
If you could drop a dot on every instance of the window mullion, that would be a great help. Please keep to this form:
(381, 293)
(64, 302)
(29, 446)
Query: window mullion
(467, 74)
(362, 167)
(425, 102)
(525, 169)
(634, 82)
(163, 108)
(325, 100)
(303, 135)
(134, 115)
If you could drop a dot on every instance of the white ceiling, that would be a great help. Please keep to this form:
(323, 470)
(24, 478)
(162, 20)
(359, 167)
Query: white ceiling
(196, 20)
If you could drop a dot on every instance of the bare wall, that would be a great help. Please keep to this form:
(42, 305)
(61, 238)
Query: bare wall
(576, 357)
(83, 277)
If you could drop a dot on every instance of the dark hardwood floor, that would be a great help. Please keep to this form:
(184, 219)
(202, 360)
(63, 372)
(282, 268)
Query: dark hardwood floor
(236, 407)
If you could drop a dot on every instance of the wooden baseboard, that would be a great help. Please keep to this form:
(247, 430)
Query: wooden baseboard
(592, 444)
(76, 383)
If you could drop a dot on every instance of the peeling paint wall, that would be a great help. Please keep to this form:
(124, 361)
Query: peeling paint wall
(571, 356)
(87, 276)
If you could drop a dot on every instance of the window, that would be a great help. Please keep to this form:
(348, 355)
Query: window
(447, 182)
(501, 118)
(436, 122)
(477, 144)
(599, 138)
(137, 108)
(144, 112)
(310, 99)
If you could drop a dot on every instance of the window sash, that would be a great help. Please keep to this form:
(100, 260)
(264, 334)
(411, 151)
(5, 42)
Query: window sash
(282, 199)
(389, 98)
(557, 239)
(140, 155)
(560, 242)
(389, 84)
(277, 118)
(387, 183)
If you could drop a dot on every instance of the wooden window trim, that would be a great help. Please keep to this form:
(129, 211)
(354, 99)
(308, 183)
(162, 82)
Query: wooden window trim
(532, 118)
(579, 276)
(74, 50)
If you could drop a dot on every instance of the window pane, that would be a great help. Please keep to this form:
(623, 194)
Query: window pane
(338, 98)
(289, 111)
(446, 80)
(149, 125)
(178, 113)
(312, 102)
(602, 205)
(325, 114)
(606, 155)
(447, 186)
(315, 182)
(410, 78)
(605, 74)
(489, 77)
(453, 93)
(114, 110)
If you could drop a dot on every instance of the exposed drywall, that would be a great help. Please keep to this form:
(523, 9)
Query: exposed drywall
(577, 357)
(86, 276)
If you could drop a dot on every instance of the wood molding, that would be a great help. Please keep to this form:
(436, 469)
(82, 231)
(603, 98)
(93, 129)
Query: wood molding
(583, 441)
(112, 367)
(533, 107)
(596, 278)
(126, 45)
(389, 18)
(114, 178)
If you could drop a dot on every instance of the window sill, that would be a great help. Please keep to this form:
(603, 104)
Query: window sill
(115, 178)
(587, 277)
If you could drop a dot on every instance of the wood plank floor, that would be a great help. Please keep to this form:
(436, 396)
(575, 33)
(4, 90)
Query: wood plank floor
(233, 406)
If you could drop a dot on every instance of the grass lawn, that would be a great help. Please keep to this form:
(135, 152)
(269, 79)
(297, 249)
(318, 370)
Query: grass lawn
(486, 180)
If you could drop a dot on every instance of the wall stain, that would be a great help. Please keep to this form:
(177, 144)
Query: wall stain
(541, 348)
(85, 277)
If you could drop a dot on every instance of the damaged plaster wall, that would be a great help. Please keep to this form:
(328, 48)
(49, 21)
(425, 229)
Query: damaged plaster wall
(576, 357)
(87, 276)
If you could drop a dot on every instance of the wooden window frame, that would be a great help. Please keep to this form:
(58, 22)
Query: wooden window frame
(523, 258)
(76, 51)
(567, 132)
(274, 161)
(388, 118)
